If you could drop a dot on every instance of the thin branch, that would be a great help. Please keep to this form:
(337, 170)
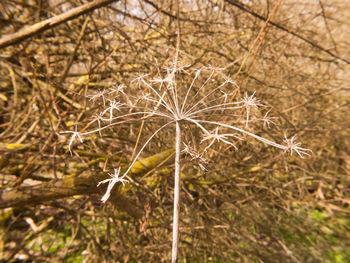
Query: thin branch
(69, 186)
(51, 22)
(243, 8)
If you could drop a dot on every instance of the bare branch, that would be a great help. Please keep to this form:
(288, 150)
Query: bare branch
(51, 22)
(243, 8)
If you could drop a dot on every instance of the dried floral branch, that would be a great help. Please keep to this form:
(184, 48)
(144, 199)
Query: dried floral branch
(170, 100)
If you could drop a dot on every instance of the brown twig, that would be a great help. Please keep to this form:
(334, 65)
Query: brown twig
(51, 22)
(243, 8)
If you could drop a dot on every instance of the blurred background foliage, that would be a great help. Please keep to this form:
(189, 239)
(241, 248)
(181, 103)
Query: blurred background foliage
(255, 204)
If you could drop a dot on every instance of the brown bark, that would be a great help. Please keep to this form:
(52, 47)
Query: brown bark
(32, 195)
(51, 22)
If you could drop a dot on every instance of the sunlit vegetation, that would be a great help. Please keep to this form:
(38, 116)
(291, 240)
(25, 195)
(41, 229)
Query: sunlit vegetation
(275, 69)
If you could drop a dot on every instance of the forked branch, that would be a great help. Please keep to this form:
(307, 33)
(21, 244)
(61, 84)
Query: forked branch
(27, 32)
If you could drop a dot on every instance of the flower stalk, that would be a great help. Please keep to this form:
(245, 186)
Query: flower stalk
(188, 102)
(176, 193)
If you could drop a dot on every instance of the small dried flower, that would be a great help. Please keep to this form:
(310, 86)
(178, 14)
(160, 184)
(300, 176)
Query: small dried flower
(97, 95)
(72, 139)
(219, 137)
(195, 156)
(268, 120)
(113, 105)
(119, 89)
(111, 182)
(293, 146)
(139, 79)
(248, 103)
